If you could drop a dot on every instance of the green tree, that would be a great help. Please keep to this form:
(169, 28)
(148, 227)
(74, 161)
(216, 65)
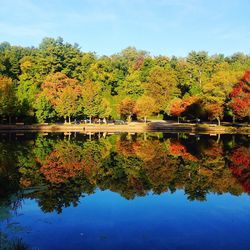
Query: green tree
(131, 85)
(91, 99)
(105, 109)
(68, 102)
(199, 69)
(216, 90)
(161, 85)
(44, 109)
(8, 101)
(56, 56)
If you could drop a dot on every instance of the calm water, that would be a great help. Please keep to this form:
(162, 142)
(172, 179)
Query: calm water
(140, 191)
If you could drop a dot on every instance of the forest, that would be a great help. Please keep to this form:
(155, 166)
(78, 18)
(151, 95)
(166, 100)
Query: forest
(57, 81)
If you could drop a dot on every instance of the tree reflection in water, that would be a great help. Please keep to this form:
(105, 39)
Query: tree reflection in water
(58, 171)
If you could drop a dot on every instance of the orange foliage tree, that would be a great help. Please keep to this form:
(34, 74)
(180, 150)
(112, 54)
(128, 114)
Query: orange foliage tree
(127, 108)
(63, 93)
(62, 164)
(179, 106)
(178, 149)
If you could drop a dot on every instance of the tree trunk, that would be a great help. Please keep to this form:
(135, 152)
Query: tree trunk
(90, 120)
(178, 119)
(233, 140)
(145, 119)
(65, 119)
(218, 119)
(233, 119)
(129, 118)
(9, 119)
(200, 73)
(129, 136)
(69, 120)
(218, 138)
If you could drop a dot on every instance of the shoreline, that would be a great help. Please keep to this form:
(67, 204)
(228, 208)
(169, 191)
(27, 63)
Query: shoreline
(132, 127)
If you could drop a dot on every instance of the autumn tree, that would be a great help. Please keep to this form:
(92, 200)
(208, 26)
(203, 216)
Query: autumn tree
(41, 74)
(214, 111)
(240, 166)
(62, 93)
(177, 108)
(145, 106)
(127, 108)
(240, 97)
(180, 107)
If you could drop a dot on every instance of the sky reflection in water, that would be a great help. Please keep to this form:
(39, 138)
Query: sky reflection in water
(160, 192)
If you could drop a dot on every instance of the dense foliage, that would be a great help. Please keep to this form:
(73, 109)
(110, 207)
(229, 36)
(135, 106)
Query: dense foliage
(58, 81)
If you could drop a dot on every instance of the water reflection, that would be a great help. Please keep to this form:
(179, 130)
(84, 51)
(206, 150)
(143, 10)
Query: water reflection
(57, 170)
(61, 170)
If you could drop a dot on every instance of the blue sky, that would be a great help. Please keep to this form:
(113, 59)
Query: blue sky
(167, 27)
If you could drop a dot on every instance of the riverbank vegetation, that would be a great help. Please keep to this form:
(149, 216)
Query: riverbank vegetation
(57, 81)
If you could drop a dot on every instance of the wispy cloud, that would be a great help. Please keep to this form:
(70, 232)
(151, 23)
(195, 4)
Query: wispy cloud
(150, 24)
(17, 31)
(92, 17)
(231, 34)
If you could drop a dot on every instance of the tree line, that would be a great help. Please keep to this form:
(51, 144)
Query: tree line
(57, 81)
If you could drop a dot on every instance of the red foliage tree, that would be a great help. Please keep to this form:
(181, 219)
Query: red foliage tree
(178, 149)
(240, 97)
(57, 169)
(240, 166)
(179, 106)
(246, 76)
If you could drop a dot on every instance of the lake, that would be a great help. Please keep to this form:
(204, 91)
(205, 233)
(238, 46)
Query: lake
(124, 191)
